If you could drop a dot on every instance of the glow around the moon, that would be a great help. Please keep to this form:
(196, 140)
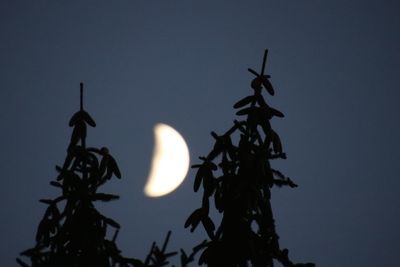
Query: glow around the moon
(170, 162)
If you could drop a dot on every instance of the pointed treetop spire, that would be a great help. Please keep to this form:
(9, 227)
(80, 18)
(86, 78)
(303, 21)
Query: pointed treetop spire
(264, 62)
(261, 79)
(81, 95)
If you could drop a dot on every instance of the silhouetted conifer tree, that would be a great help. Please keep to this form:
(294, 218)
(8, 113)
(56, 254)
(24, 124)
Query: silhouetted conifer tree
(73, 233)
(239, 178)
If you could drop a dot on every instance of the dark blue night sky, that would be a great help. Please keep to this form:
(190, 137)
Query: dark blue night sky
(335, 68)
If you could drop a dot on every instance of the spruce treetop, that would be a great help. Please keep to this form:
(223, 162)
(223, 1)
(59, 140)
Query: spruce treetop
(238, 178)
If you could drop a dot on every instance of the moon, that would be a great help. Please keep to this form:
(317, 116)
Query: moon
(170, 162)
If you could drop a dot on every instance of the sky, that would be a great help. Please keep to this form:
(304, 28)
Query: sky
(335, 68)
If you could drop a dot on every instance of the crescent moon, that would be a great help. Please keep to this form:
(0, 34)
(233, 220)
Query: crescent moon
(170, 162)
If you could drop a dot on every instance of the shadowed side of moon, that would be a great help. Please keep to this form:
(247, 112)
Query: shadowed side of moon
(170, 162)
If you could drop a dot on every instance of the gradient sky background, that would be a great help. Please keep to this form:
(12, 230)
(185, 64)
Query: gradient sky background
(335, 67)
